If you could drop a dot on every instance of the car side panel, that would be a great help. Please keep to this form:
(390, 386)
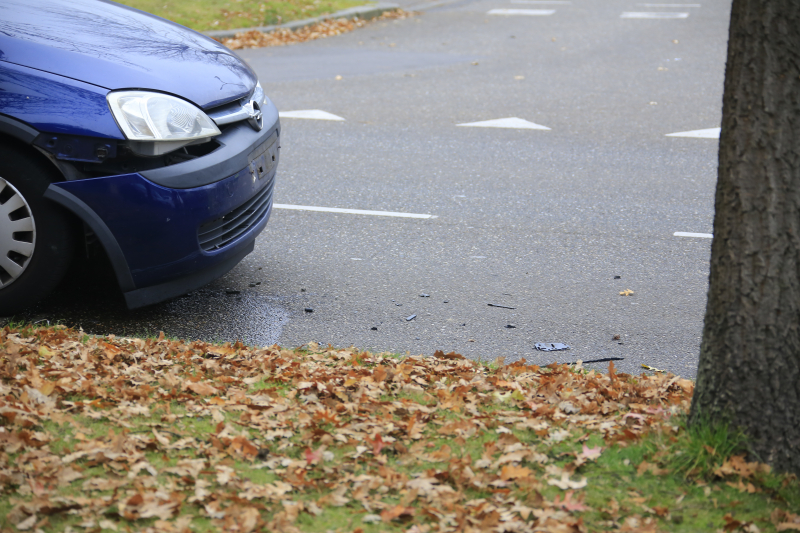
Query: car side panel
(55, 104)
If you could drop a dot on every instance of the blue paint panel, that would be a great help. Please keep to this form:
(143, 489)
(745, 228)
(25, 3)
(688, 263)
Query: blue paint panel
(117, 47)
(156, 227)
(55, 104)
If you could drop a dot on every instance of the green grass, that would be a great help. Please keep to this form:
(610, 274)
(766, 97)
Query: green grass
(206, 15)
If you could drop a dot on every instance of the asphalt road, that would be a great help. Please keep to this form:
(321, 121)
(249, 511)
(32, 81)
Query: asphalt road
(554, 223)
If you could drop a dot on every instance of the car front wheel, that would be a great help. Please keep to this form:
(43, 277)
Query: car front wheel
(36, 236)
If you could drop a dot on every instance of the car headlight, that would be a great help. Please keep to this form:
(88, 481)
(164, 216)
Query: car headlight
(159, 123)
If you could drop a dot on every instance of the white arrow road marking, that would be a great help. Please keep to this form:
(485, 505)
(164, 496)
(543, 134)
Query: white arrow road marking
(652, 15)
(698, 235)
(351, 211)
(528, 12)
(314, 114)
(710, 133)
(511, 122)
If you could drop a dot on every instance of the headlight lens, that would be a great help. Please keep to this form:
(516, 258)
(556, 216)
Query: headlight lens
(146, 116)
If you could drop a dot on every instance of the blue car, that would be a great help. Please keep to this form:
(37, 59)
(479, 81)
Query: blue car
(127, 131)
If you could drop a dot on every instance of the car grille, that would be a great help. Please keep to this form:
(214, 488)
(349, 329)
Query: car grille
(224, 230)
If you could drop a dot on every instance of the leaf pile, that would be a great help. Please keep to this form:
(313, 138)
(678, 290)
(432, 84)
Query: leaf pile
(164, 435)
(318, 30)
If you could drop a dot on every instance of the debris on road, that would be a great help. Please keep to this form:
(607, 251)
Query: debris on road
(615, 338)
(510, 326)
(626, 292)
(232, 291)
(501, 306)
(652, 369)
(308, 310)
(374, 328)
(551, 346)
(410, 318)
(617, 277)
(602, 360)
(423, 295)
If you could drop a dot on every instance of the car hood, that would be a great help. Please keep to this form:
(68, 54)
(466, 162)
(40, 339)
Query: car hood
(117, 47)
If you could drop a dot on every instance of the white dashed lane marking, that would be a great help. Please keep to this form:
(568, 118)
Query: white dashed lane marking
(351, 211)
(313, 114)
(522, 12)
(710, 133)
(512, 122)
(697, 235)
(542, 2)
(668, 5)
(652, 15)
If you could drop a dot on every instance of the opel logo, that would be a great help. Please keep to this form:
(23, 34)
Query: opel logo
(254, 118)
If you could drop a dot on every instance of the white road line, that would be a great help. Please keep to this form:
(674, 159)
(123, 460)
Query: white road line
(541, 2)
(527, 12)
(669, 5)
(652, 15)
(511, 122)
(710, 133)
(698, 235)
(351, 211)
(313, 114)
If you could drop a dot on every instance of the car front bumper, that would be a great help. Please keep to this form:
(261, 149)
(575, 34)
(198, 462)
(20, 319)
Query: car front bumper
(170, 230)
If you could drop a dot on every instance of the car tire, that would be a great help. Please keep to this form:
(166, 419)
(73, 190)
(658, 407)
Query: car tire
(37, 237)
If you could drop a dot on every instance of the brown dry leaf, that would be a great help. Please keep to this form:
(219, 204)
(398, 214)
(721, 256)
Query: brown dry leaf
(319, 30)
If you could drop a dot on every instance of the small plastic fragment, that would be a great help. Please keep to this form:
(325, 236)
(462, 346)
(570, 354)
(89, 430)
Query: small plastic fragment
(373, 328)
(445, 302)
(251, 285)
(232, 291)
(423, 295)
(509, 326)
(626, 292)
(308, 310)
(410, 318)
(551, 346)
(617, 277)
(652, 369)
(501, 306)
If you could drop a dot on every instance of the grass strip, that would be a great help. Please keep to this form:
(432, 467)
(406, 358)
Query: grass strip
(206, 15)
(114, 434)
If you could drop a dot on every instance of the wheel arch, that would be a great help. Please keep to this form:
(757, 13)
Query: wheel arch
(20, 135)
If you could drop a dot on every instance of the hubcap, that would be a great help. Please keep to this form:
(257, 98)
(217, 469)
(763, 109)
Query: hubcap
(17, 234)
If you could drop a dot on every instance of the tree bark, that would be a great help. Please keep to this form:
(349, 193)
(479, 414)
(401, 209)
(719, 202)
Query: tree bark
(749, 370)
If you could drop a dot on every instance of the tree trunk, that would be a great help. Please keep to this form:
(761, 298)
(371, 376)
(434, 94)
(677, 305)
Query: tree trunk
(749, 371)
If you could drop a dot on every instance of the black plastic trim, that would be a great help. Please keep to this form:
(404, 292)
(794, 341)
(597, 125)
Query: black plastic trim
(104, 235)
(18, 130)
(237, 142)
(164, 291)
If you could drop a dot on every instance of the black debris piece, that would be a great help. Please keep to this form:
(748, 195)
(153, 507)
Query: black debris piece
(603, 360)
(374, 328)
(501, 306)
(410, 318)
(399, 305)
(464, 324)
(551, 346)
(617, 277)
(251, 285)
(510, 326)
(302, 290)
(423, 295)
(232, 291)
(308, 310)
(445, 302)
